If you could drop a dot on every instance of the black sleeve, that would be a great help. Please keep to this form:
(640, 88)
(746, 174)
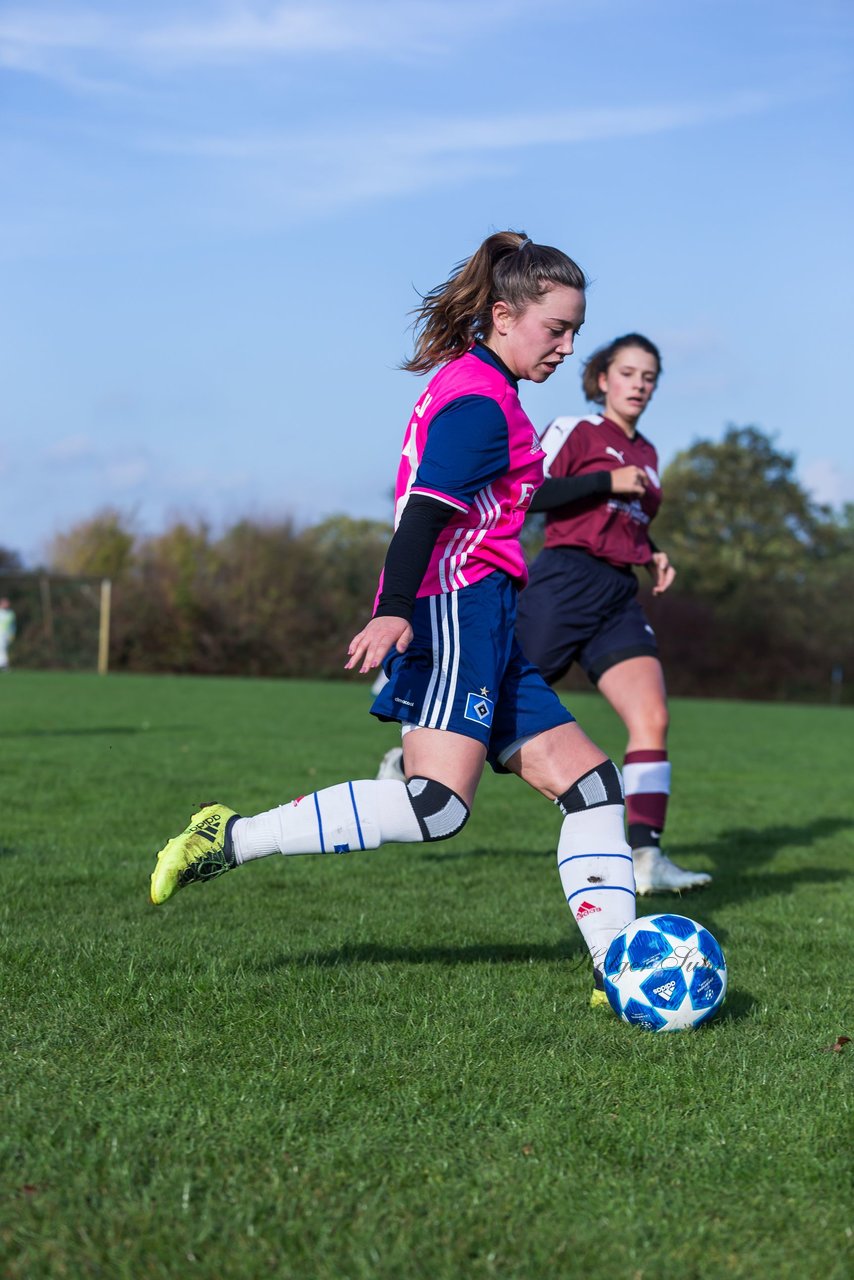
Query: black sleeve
(560, 491)
(409, 554)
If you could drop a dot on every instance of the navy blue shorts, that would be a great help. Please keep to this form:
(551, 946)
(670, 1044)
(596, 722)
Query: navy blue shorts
(577, 608)
(464, 672)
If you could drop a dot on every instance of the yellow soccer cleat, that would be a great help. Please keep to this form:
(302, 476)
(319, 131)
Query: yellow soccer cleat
(202, 852)
(598, 999)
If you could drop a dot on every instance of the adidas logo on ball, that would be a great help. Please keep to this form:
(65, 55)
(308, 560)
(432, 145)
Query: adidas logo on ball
(664, 972)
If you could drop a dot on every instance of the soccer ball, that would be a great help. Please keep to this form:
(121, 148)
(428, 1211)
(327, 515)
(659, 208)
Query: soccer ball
(665, 973)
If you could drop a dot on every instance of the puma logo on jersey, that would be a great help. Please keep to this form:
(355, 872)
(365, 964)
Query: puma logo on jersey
(615, 453)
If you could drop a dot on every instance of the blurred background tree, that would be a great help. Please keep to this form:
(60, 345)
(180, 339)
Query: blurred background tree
(100, 548)
(762, 605)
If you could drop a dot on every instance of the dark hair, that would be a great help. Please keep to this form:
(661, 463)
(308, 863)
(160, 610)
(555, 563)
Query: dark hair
(507, 266)
(601, 361)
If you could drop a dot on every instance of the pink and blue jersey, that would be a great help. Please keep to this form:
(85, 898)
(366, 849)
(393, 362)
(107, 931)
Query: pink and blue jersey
(471, 451)
(470, 444)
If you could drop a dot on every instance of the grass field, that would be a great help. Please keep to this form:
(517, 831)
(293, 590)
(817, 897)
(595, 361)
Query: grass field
(384, 1065)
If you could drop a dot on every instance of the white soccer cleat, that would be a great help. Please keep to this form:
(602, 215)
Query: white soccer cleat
(655, 873)
(391, 765)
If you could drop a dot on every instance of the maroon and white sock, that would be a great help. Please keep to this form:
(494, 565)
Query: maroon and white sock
(646, 778)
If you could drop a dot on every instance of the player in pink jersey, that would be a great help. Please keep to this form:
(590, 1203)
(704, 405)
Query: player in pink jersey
(443, 624)
(602, 493)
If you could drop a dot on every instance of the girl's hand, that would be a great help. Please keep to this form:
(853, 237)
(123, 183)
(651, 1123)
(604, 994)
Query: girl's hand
(661, 571)
(630, 482)
(372, 644)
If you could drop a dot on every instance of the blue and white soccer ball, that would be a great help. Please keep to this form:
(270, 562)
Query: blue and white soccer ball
(665, 973)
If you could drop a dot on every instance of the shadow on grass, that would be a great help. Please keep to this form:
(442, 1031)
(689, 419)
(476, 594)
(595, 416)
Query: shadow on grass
(739, 858)
(701, 904)
(737, 1006)
(759, 845)
(111, 730)
(353, 953)
(736, 856)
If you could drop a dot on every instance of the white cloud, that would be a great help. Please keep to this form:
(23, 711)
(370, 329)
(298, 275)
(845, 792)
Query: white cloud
(431, 135)
(127, 473)
(298, 173)
(256, 181)
(828, 482)
(120, 469)
(47, 42)
(76, 450)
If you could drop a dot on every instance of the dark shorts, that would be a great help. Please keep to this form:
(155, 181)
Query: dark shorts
(576, 608)
(464, 672)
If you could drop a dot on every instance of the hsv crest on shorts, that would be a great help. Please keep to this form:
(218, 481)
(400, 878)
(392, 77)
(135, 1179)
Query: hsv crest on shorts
(479, 708)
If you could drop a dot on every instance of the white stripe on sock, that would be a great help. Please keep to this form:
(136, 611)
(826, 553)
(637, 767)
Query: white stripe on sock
(651, 777)
(349, 816)
(596, 869)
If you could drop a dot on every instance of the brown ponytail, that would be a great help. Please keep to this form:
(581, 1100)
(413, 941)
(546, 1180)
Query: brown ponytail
(601, 361)
(507, 266)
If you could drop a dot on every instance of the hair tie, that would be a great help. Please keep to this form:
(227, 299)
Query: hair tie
(524, 243)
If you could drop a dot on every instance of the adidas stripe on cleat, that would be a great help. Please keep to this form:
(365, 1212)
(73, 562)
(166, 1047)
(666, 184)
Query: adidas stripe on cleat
(202, 852)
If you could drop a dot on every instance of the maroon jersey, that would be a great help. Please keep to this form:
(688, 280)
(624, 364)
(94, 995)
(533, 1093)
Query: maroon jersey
(613, 527)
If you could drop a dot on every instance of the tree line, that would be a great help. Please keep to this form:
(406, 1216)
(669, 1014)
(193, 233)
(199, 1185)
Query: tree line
(762, 605)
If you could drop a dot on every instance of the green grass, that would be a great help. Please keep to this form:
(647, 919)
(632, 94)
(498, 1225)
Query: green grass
(384, 1065)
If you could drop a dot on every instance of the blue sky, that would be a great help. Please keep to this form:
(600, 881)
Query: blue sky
(214, 218)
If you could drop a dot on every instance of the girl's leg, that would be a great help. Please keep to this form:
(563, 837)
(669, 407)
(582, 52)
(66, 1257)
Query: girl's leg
(594, 861)
(635, 689)
(433, 804)
(366, 814)
(449, 758)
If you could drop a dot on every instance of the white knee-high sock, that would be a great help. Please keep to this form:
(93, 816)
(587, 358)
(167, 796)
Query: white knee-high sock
(595, 865)
(351, 815)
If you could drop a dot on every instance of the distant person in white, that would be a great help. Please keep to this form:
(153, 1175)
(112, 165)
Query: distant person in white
(7, 632)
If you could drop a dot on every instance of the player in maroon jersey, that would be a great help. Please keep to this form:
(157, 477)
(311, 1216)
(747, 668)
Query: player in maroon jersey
(580, 605)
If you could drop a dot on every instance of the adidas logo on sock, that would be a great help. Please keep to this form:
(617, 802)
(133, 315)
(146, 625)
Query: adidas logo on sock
(586, 909)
